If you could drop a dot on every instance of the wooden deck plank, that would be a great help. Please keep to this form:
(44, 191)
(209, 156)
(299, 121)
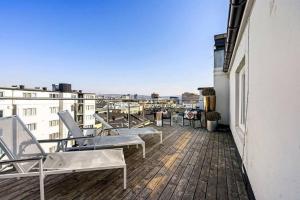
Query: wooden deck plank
(190, 192)
(185, 144)
(211, 192)
(144, 171)
(222, 184)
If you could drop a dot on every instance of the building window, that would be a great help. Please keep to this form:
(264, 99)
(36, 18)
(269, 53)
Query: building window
(52, 149)
(53, 95)
(53, 110)
(89, 96)
(54, 135)
(1, 113)
(1, 94)
(31, 126)
(89, 117)
(53, 123)
(90, 107)
(242, 101)
(29, 94)
(29, 111)
(241, 96)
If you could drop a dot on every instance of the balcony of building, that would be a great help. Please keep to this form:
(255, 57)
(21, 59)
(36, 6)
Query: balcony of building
(190, 164)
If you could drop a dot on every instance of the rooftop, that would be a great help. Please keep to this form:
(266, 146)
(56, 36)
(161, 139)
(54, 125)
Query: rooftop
(191, 164)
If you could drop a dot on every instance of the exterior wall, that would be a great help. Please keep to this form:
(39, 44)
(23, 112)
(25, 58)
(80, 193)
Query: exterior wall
(43, 114)
(89, 108)
(66, 105)
(270, 144)
(219, 58)
(42, 117)
(221, 86)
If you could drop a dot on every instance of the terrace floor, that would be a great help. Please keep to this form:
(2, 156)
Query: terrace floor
(191, 164)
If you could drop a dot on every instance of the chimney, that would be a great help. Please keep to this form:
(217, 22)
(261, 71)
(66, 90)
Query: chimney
(22, 87)
(44, 88)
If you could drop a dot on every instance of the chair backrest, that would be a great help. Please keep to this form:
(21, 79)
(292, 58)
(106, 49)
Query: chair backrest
(71, 125)
(102, 121)
(17, 142)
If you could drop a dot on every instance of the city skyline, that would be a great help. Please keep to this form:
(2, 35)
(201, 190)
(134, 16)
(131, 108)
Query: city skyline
(111, 46)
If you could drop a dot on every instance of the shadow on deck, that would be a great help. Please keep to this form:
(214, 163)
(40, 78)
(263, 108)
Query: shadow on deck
(191, 164)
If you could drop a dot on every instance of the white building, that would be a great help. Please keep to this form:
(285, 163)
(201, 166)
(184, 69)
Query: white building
(40, 115)
(221, 79)
(89, 109)
(262, 63)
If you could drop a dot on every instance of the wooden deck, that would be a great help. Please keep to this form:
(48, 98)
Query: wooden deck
(191, 164)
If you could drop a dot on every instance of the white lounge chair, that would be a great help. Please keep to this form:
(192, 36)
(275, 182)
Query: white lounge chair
(130, 131)
(29, 159)
(96, 142)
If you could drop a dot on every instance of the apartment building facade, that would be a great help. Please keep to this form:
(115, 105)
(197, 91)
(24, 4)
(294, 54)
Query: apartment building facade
(40, 114)
(262, 65)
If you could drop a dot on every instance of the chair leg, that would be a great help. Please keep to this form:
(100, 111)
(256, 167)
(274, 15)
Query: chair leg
(144, 150)
(125, 177)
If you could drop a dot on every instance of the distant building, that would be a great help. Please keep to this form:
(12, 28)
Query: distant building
(175, 99)
(125, 96)
(154, 95)
(40, 116)
(135, 96)
(190, 100)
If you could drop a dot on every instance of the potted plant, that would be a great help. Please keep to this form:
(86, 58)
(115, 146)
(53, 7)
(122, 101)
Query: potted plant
(209, 97)
(212, 120)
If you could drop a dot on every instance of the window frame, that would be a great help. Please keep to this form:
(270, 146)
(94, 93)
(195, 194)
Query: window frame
(29, 112)
(242, 99)
(31, 126)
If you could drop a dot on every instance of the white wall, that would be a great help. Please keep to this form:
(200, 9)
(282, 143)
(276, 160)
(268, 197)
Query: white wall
(218, 58)
(272, 137)
(221, 86)
(43, 115)
(87, 121)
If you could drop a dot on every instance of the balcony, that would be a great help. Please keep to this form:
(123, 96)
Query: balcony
(191, 164)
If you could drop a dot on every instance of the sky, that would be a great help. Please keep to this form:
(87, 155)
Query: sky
(110, 46)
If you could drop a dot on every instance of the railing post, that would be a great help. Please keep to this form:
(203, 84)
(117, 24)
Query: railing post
(42, 192)
(128, 115)
(107, 115)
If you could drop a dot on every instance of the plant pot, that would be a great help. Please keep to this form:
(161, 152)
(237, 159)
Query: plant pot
(212, 125)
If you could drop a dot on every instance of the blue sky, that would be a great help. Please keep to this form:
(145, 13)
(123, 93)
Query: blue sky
(110, 46)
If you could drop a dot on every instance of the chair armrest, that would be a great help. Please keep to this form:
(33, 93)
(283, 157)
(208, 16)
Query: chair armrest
(50, 140)
(65, 139)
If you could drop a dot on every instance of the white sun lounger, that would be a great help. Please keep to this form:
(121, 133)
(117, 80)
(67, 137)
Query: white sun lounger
(130, 131)
(97, 142)
(29, 159)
